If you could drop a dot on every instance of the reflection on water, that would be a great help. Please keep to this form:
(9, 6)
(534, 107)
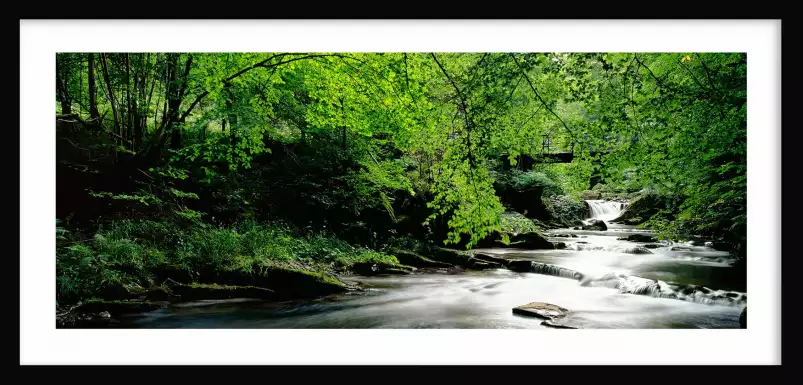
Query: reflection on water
(484, 299)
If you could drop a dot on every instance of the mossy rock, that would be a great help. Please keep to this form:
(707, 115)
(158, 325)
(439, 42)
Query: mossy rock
(116, 308)
(641, 209)
(591, 195)
(412, 259)
(451, 256)
(478, 264)
(490, 258)
(531, 240)
(153, 294)
(632, 221)
(286, 282)
(199, 291)
(379, 268)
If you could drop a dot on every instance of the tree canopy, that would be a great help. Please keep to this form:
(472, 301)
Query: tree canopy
(172, 131)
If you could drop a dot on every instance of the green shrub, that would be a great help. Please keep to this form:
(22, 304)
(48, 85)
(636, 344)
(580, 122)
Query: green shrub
(513, 222)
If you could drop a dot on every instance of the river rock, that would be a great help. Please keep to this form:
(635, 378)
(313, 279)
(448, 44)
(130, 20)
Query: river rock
(591, 195)
(652, 245)
(531, 240)
(520, 265)
(679, 248)
(475, 263)
(596, 224)
(540, 310)
(560, 245)
(289, 282)
(196, 291)
(743, 319)
(490, 258)
(638, 250)
(451, 256)
(639, 238)
(573, 235)
(370, 268)
(410, 258)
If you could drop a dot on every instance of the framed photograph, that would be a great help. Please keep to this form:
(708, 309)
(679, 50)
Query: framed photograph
(435, 188)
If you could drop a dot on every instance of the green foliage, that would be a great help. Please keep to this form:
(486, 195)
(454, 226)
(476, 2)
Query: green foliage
(196, 138)
(513, 222)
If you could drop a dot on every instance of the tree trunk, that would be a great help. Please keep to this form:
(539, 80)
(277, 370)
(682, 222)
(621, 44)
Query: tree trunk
(129, 105)
(61, 86)
(93, 96)
(105, 70)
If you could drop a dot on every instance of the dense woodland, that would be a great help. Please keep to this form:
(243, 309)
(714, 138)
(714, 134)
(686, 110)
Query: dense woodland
(207, 167)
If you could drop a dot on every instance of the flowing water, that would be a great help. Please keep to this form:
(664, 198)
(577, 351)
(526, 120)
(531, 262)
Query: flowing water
(675, 286)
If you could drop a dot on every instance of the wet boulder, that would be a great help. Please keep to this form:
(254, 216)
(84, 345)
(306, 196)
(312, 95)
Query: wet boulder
(531, 240)
(638, 250)
(478, 264)
(520, 265)
(653, 245)
(596, 224)
(679, 248)
(639, 238)
(560, 246)
(541, 310)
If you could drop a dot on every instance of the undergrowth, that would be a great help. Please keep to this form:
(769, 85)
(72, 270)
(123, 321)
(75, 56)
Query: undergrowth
(126, 253)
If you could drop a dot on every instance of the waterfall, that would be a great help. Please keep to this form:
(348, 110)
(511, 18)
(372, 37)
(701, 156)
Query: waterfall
(605, 210)
(660, 289)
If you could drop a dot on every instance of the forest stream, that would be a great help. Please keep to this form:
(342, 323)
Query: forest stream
(663, 285)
